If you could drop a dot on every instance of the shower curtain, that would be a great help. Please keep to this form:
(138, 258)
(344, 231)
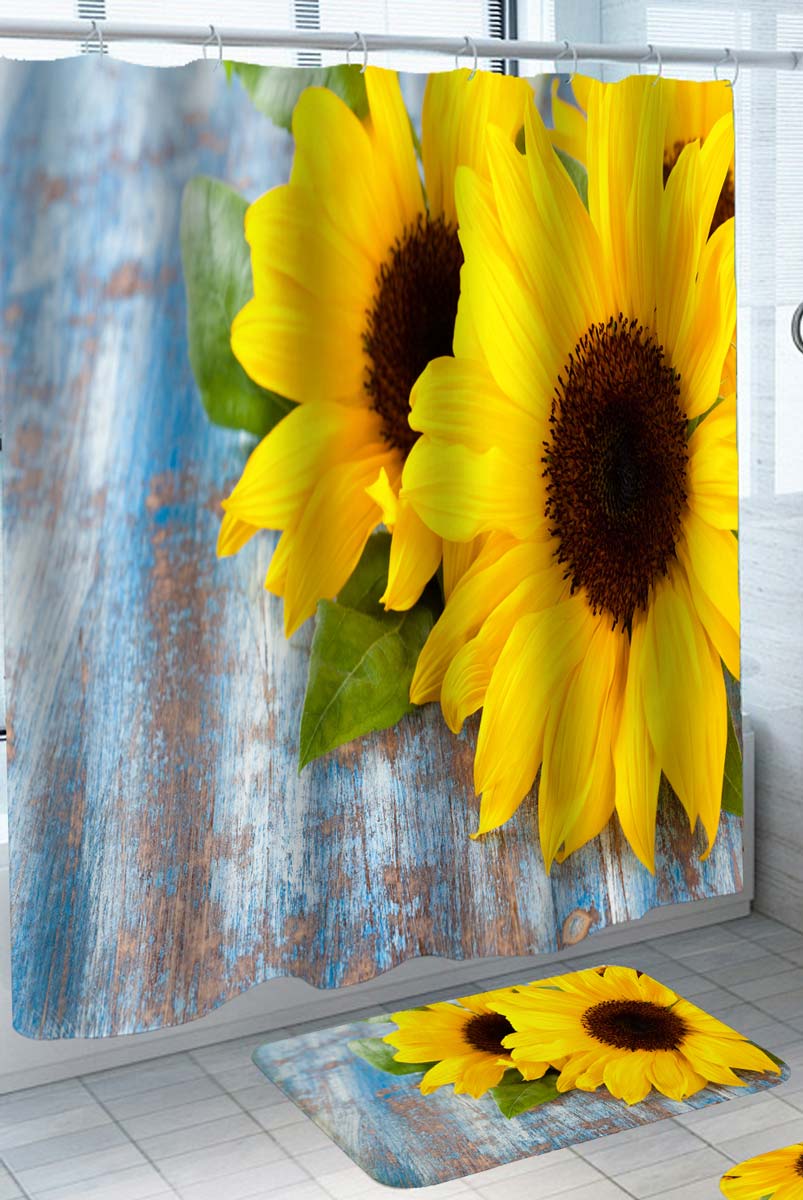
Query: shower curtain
(369, 510)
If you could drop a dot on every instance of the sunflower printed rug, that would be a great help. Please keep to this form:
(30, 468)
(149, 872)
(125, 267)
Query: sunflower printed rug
(448, 1089)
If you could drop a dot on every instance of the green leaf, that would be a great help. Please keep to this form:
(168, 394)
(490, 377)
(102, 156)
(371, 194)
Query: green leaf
(576, 172)
(515, 1095)
(362, 658)
(732, 797)
(217, 278)
(380, 1055)
(275, 90)
(360, 670)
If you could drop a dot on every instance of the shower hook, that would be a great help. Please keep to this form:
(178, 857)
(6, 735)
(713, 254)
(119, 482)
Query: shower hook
(568, 48)
(728, 57)
(468, 44)
(797, 333)
(214, 36)
(358, 43)
(95, 34)
(654, 50)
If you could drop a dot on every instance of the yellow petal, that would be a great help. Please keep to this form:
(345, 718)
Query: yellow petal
(290, 460)
(289, 342)
(415, 554)
(636, 766)
(460, 493)
(233, 535)
(713, 469)
(685, 702)
(457, 558)
(455, 118)
(673, 1077)
(504, 318)
(494, 573)
(329, 538)
(612, 139)
(289, 234)
(469, 673)
(336, 161)
(711, 559)
(602, 682)
(481, 1075)
(568, 255)
(385, 496)
(530, 677)
(716, 158)
(681, 237)
(277, 570)
(457, 400)
(393, 141)
(702, 347)
(626, 1076)
(642, 266)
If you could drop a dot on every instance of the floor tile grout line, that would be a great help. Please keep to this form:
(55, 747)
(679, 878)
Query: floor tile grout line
(155, 1111)
(15, 1178)
(737, 998)
(136, 1145)
(267, 1134)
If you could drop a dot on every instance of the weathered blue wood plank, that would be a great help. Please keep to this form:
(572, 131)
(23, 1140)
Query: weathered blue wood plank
(404, 1139)
(166, 855)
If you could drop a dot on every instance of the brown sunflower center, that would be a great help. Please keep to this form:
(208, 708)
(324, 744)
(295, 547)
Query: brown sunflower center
(615, 466)
(485, 1032)
(799, 1165)
(726, 203)
(635, 1025)
(411, 320)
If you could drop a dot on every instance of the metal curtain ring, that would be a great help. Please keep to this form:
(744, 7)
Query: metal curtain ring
(359, 43)
(95, 34)
(214, 36)
(797, 333)
(728, 56)
(566, 50)
(468, 44)
(660, 65)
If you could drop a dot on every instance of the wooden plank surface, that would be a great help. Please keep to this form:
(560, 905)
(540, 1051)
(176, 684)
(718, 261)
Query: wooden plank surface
(166, 855)
(404, 1139)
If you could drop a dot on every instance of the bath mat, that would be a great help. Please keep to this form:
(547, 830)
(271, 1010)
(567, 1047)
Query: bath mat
(443, 1090)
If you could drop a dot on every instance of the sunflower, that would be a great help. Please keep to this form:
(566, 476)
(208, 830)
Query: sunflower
(462, 1039)
(694, 111)
(581, 429)
(356, 279)
(617, 1027)
(777, 1175)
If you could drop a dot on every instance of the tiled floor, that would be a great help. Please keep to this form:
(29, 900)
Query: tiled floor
(206, 1125)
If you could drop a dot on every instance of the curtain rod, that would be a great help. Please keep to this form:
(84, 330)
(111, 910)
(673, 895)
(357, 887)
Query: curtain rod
(462, 45)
